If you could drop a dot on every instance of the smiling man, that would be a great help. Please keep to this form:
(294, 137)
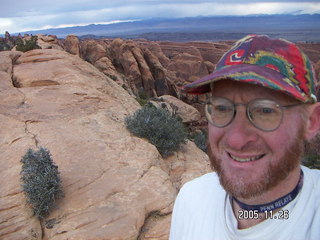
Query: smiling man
(263, 107)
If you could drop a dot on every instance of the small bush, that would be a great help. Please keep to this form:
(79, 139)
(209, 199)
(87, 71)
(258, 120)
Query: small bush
(141, 101)
(143, 94)
(201, 139)
(142, 97)
(41, 181)
(162, 129)
(27, 45)
(311, 161)
(311, 157)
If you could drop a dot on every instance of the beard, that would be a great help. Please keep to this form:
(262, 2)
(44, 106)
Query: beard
(275, 173)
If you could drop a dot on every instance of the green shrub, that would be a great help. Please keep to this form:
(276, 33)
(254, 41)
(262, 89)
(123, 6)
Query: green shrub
(27, 45)
(141, 101)
(311, 161)
(143, 94)
(142, 97)
(201, 139)
(312, 153)
(41, 181)
(162, 129)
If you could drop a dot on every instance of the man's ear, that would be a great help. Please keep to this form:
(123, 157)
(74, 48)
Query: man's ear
(313, 121)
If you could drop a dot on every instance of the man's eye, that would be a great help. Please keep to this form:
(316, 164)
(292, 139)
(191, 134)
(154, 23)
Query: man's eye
(266, 110)
(221, 108)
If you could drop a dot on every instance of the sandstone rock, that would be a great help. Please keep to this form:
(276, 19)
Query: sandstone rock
(72, 45)
(53, 67)
(312, 50)
(161, 77)
(187, 66)
(212, 52)
(186, 112)
(105, 65)
(91, 50)
(157, 51)
(113, 182)
(210, 66)
(156, 227)
(125, 59)
(172, 49)
(48, 42)
(146, 75)
(6, 60)
(187, 164)
(128, 57)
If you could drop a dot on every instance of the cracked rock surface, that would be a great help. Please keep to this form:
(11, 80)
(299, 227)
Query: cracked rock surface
(116, 186)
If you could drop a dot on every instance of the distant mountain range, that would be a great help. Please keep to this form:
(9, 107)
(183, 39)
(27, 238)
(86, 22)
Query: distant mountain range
(302, 27)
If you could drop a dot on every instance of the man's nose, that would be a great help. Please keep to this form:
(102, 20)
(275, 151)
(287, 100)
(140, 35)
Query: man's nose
(240, 131)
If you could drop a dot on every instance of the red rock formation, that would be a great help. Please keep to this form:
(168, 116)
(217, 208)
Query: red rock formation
(116, 186)
(159, 68)
(72, 45)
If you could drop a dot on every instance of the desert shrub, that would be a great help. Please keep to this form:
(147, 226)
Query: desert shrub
(200, 139)
(141, 101)
(312, 161)
(312, 153)
(162, 129)
(41, 181)
(4, 46)
(27, 45)
(142, 97)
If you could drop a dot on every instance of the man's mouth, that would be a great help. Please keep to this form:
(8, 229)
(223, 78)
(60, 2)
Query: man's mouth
(246, 159)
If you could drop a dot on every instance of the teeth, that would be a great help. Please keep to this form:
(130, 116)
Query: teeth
(245, 159)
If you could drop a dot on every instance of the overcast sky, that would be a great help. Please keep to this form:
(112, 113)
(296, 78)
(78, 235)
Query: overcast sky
(19, 16)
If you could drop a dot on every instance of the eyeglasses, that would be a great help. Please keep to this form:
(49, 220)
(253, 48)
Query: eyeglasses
(264, 114)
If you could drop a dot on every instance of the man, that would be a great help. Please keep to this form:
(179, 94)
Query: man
(263, 107)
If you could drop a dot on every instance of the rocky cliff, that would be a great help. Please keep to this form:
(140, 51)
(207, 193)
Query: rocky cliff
(158, 67)
(116, 186)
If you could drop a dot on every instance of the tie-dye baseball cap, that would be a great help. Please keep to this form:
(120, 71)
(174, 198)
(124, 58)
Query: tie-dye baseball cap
(274, 63)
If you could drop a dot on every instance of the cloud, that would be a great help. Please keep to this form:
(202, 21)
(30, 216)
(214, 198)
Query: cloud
(36, 14)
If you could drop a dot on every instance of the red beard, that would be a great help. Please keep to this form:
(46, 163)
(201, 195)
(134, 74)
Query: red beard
(240, 188)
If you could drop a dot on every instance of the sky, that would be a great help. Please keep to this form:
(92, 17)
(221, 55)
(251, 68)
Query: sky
(20, 16)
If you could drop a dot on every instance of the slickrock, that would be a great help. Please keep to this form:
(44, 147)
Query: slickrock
(72, 45)
(48, 42)
(106, 66)
(91, 50)
(116, 186)
(164, 79)
(186, 112)
(188, 67)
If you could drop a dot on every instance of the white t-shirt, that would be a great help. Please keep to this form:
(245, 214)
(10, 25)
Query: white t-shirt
(203, 211)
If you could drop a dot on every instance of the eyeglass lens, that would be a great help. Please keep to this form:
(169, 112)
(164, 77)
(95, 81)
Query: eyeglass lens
(263, 113)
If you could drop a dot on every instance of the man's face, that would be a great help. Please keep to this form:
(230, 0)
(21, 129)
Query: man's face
(273, 155)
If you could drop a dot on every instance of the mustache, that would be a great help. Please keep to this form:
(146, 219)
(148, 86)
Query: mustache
(250, 147)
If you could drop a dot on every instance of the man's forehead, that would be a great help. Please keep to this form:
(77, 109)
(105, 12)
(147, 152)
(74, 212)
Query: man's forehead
(231, 88)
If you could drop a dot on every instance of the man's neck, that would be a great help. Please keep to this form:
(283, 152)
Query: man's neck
(283, 188)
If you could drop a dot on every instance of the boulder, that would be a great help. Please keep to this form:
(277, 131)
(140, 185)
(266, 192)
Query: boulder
(188, 66)
(7, 58)
(72, 45)
(48, 42)
(146, 75)
(106, 66)
(91, 50)
(186, 112)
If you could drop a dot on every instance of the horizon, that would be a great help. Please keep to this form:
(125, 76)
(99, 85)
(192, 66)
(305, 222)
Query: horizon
(17, 16)
(152, 25)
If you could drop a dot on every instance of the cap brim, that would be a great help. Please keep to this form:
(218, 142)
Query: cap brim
(248, 73)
